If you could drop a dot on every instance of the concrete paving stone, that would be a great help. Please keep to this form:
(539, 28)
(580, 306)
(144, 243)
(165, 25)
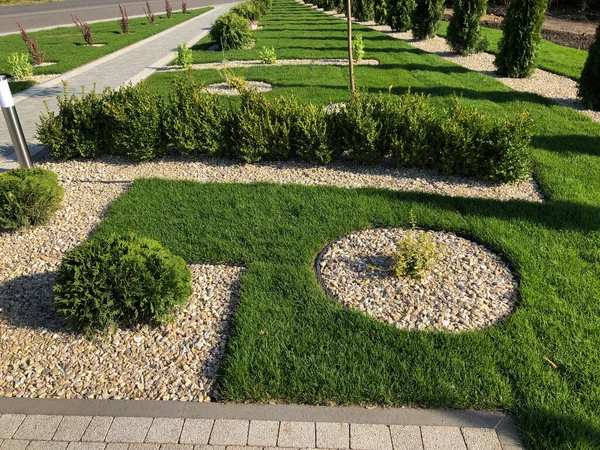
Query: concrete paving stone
(442, 438)
(296, 434)
(129, 429)
(38, 427)
(196, 431)
(165, 430)
(13, 444)
(86, 446)
(9, 423)
(406, 437)
(176, 447)
(333, 435)
(370, 437)
(263, 432)
(243, 447)
(481, 439)
(229, 432)
(209, 447)
(117, 446)
(47, 445)
(97, 429)
(144, 446)
(71, 428)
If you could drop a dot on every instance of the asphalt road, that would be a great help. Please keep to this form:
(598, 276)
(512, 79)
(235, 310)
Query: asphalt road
(44, 15)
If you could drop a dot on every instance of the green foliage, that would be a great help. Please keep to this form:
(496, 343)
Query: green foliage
(184, 55)
(415, 255)
(267, 55)
(120, 280)
(311, 135)
(464, 29)
(19, 66)
(363, 10)
(426, 18)
(195, 121)
(358, 48)
(262, 6)
(234, 29)
(589, 84)
(400, 14)
(380, 12)
(28, 197)
(248, 10)
(521, 35)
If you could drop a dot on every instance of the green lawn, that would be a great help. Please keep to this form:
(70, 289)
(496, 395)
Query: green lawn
(313, 350)
(66, 47)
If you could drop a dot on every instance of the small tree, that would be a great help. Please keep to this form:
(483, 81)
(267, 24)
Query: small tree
(168, 9)
(464, 30)
(380, 12)
(124, 22)
(521, 35)
(36, 53)
(426, 18)
(589, 84)
(400, 13)
(85, 29)
(149, 14)
(183, 8)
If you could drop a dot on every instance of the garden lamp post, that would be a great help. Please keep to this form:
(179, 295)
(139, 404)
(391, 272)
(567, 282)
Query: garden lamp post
(14, 126)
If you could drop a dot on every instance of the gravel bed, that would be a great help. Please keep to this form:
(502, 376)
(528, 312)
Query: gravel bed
(279, 62)
(225, 89)
(469, 287)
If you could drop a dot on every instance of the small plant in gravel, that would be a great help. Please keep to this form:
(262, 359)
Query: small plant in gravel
(267, 55)
(589, 83)
(358, 48)
(416, 253)
(28, 197)
(36, 54)
(168, 9)
(232, 30)
(19, 66)
(149, 14)
(521, 35)
(400, 13)
(120, 280)
(464, 29)
(124, 21)
(85, 30)
(234, 81)
(426, 18)
(184, 56)
(184, 9)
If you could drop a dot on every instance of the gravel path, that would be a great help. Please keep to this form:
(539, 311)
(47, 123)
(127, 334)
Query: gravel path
(279, 62)
(469, 287)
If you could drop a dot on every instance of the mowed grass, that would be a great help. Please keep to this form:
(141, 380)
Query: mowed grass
(291, 343)
(24, 2)
(66, 47)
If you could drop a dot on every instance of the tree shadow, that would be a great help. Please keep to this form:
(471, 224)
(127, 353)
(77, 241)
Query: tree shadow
(588, 145)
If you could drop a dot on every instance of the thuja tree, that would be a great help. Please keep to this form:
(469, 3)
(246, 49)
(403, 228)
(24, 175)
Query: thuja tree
(380, 12)
(426, 18)
(363, 10)
(400, 13)
(521, 35)
(589, 83)
(464, 30)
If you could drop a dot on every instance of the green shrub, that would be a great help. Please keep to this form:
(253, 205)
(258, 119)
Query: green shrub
(310, 135)
(184, 55)
(358, 48)
(251, 135)
(234, 29)
(363, 10)
(426, 18)
(248, 10)
(400, 14)
(195, 121)
(415, 255)
(134, 119)
(19, 66)
(28, 197)
(262, 6)
(120, 280)
(267, 55)
(464, 29)
(521, 35)
(589, 84)
(380, 12)
(79, 127)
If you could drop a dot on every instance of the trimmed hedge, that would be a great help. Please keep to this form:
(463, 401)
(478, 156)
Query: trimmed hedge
(120, 280)
(589, 84)
(234, 29)
(368, 129)
(28, 197)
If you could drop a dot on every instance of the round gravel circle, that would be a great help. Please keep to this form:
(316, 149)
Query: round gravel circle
(469, 287)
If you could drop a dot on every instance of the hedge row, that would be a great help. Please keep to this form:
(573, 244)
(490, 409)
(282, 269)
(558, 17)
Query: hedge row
(136, 123)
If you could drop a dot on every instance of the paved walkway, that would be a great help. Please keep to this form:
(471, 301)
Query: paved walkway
(34, 424)
(131, 63)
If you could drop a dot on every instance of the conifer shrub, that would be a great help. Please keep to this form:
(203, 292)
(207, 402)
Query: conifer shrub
(363, 10)
(248, 10)
(521, 35)
(28, 197)
(233, 29)
(464, 29)
(120, 280)
(262, 6)
(399, 14)
(589, 83)
(426, 18)
(380, 12)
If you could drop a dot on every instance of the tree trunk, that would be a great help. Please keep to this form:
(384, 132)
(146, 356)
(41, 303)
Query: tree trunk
(350, 59)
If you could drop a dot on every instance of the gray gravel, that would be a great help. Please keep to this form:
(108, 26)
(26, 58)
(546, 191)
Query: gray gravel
(469, 287)
(225, 89)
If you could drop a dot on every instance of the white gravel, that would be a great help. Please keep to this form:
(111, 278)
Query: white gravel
(279, 62)
(469, 287)
(225, 89)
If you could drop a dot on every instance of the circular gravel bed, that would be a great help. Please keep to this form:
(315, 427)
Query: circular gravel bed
(469, 287)
(224, 89)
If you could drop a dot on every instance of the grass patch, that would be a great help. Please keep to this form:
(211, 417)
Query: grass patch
(66, 46)
(25, 2)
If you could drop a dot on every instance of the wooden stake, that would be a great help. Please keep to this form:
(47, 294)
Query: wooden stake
(350, 59)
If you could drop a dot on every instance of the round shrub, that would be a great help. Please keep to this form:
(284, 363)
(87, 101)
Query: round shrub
(262, 6)
(589, 84)
(399, 14)
(464, 29)
(28, 197)
(248, 10)
(234, 29)
(426, 18)
(120, 280)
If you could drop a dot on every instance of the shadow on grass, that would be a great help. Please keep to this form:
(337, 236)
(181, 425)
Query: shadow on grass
(578, 144)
